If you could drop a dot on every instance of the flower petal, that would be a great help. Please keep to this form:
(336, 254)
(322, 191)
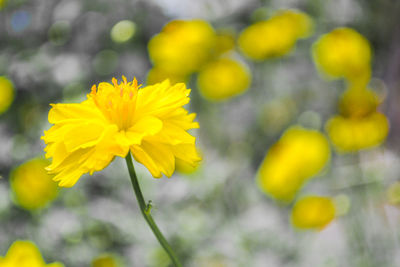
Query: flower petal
(82, 111)
(161, 99)
(146, 126)
(158, 158)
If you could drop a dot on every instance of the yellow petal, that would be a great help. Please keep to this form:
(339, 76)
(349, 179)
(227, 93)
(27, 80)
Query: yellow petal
(147, 125)
(158, 158)
(83, 111)
(83, 135)
(160, 99)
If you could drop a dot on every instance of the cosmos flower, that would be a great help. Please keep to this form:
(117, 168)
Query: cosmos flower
(33, 188)
(299, 155)
(6, 92)
(116, 118)
(344, 53)
(313, 212)
(183, 46)
(106, 260)
(276, 36)
(348, 134)
(358, 115)
(157, 74)
(25, 254)
(223, 79)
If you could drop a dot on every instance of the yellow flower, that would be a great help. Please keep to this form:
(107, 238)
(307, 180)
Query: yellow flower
(182, 47)
(357, 103)
(224, 41)
(115, 119)
(33, 187)
(344, 53)
(25, 254)
(295, 158)
(106, 260)
(313, 212)
(6, 93)
(223, 78)
(353, 134)
(157, 74)
(358, 116)
(275, 37)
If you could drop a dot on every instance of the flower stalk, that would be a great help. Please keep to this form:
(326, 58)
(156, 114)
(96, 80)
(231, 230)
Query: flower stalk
(145, 209)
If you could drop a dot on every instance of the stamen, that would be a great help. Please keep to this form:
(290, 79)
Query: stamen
(115, 82)
(93, 90)
(117, 105)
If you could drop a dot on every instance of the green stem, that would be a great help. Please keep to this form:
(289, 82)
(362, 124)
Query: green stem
(145, 209)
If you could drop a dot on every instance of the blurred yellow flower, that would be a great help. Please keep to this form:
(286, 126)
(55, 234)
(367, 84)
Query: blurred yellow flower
(106, 260)
(223, 78)
(296, 157)
(313, 212)
(157, 75)
(344, 53)
(25, 254)
(393, 193)
(224, 41)
(182, 47)
(353, 134)
(32, 186)
(275, 37)
(6, 93)
(359, 125)
(356, 102)
(115, 119)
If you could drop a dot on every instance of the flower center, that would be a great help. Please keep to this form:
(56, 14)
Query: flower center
(117, 102)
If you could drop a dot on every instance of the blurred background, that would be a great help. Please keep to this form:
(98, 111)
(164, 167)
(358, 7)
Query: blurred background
(298, 131)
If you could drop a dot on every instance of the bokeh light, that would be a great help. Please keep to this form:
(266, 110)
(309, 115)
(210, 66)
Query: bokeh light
(123, 31)
(20, 20)
(105, 62)
(59, 32)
